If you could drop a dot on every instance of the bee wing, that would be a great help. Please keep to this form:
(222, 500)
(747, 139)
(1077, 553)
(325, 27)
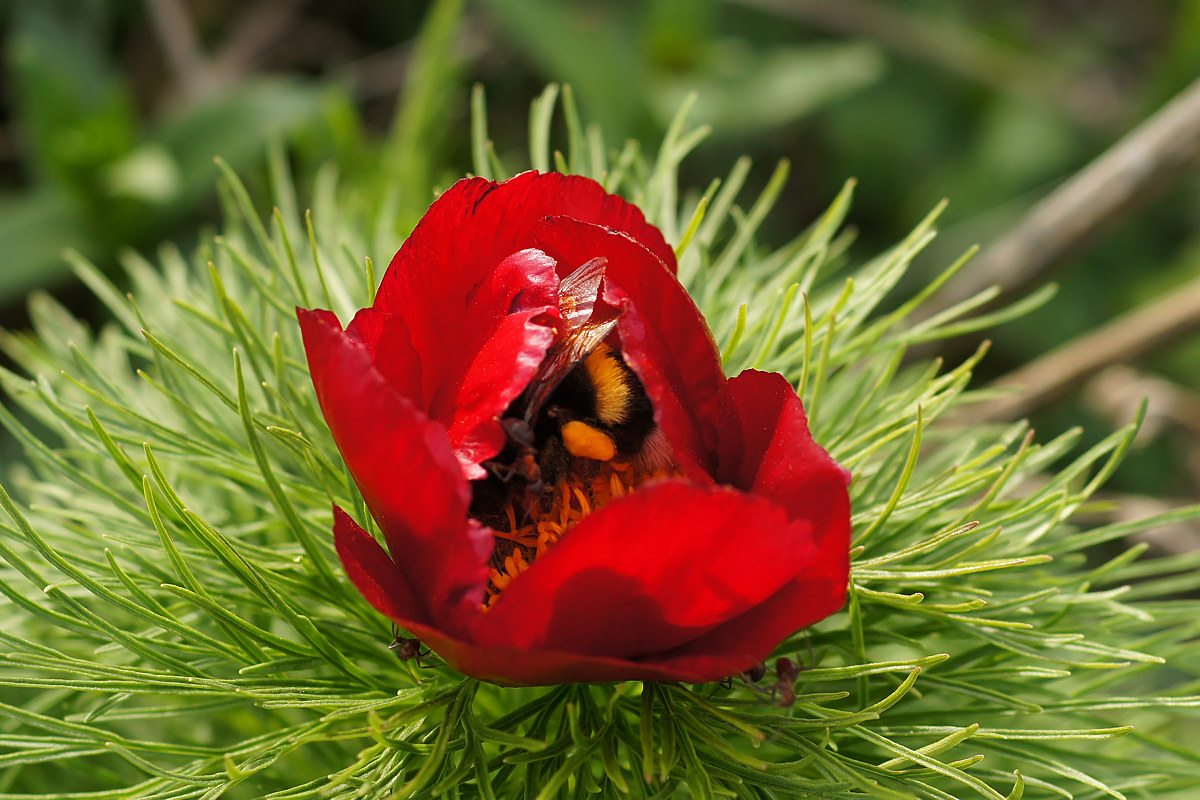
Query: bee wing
(562, 358)
(580, 335)
(577, 292)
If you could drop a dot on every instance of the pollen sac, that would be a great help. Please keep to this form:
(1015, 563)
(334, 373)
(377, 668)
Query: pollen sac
(584, 441)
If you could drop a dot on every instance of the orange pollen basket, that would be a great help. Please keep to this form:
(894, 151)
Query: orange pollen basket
(533, 531)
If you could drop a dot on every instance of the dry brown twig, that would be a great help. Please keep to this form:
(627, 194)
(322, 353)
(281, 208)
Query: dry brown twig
(1117, 392)
(1126, 338)
(1146, 162)
(193, 73)
(257, 27)
(198, 74)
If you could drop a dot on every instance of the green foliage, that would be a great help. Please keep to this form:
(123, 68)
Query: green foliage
(633, 65)
(177, 624)
(101, 178)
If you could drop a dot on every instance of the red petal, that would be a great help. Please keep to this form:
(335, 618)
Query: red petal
(519, 666)
(651, 572)
(476, 224)
(388, 341)
(374, 573)
(465, 360)
(663, 336)
(403, 464)
(767, 450)
(508, 328)
(464, 286)
(749, 638)
(383, 584)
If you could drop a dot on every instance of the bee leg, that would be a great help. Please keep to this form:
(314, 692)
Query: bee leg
(588, 469)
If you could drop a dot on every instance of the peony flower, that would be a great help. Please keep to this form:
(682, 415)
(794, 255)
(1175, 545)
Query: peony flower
(568, 486)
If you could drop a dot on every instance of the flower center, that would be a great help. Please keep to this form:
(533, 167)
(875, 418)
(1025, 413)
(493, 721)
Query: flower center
(532, 525)
(581, 435)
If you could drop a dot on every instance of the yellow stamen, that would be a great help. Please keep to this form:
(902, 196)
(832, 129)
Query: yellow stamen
(584, 507)
(552, 515)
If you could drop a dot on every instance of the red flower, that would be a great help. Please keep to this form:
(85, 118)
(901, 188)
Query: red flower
(549, 517)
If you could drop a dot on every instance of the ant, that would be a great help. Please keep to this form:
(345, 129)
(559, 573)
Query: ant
(407, 648)
(524, 464)
(787, 671)
(784, 688)
(752, 675)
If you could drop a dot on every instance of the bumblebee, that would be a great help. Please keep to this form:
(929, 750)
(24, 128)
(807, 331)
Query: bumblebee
(599, 411)
(584, 406)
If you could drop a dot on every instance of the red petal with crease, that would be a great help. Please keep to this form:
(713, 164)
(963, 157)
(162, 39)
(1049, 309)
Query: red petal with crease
(650, 572)
(748, 639)
(508, 328)
(403, 464)
(374, 573)
(768, 451)
(476, 224)
(492, 341)
(663, 336)
(520, 666)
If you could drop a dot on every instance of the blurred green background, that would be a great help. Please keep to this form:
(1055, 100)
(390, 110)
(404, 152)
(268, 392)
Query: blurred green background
(111, 112)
